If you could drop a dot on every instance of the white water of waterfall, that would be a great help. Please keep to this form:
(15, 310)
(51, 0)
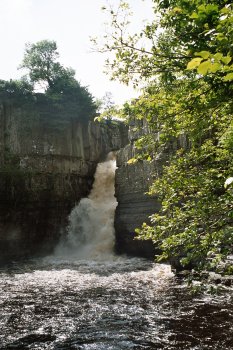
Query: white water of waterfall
(91, 222)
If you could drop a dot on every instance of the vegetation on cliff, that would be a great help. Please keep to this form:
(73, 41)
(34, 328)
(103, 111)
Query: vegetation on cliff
(185, 59)
(61, 98)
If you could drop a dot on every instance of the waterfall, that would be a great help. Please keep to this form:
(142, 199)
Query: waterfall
(91, 222)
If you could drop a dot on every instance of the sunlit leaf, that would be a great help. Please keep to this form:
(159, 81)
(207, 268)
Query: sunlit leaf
(203, 67)
(132, 161)
(194, 63)
(214, 67)
(226, 59)
(203, 54)
(194, 15)
(228, 77)
(218, 56)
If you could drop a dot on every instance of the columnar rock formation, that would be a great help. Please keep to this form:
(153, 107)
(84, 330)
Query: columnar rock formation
(44, 171)
(132, 183)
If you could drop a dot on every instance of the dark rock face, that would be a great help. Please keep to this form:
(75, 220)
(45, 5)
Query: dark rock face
(134, 205)
(43, 173)
(132, 183)
(34, 209)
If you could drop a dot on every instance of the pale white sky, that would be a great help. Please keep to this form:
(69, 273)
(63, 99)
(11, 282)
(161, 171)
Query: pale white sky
(70, 23)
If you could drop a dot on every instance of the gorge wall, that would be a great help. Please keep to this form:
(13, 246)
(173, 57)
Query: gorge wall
(44, 171)
(132, 183)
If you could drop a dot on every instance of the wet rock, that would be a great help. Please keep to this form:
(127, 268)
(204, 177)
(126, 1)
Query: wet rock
(220, 279)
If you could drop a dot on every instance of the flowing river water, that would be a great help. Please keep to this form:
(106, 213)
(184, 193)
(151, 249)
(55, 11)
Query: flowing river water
(85, 297)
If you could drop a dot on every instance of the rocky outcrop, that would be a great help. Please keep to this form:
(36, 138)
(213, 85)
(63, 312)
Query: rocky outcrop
(134, 205)
(132, 183)
(44, 171)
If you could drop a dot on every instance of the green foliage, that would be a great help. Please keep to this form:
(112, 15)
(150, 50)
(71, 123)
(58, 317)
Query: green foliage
(181, 31)
(16, 91)
(40, 59)
(63, 92)
(185, 59)
(64, 99)
(73, 102)
(196, 216)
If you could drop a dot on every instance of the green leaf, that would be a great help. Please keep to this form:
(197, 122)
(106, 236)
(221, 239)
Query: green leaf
(203, 54)
(225, 10)
(194, 63)
(132, 161)
(203, 67)
(194, 15)
(220, 36)
(214, 67)
(211, 8)
(177, 9)
(226, 59)
(218, 56)
(201, 8)
(228, 77)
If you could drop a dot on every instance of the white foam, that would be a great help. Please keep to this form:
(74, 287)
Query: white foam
(91, 222)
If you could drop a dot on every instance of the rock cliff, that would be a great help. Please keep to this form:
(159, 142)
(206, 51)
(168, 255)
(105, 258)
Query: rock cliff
(44, 171)
(134, 205)
(132, 184)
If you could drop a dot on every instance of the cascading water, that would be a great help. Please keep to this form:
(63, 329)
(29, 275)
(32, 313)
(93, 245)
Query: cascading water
(87, 298)
(91, 229)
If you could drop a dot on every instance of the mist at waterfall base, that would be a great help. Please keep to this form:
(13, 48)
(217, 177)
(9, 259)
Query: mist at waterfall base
(91, 222)
(84, 297)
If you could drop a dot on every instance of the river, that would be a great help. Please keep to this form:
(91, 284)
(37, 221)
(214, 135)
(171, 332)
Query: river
(86, 297)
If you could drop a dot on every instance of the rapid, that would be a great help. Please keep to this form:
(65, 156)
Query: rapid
(86, 297)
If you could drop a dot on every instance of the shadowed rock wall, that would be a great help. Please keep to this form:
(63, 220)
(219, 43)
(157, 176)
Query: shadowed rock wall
(134, 205)
(44, 171)
(132, 183)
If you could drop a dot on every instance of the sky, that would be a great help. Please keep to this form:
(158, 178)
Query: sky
(70, 23)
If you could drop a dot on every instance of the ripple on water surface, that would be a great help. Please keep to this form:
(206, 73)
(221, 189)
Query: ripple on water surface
(118, 303)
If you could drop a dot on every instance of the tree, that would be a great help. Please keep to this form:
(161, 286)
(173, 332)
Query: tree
(181, 30)
(185, 59)
(62, 91)
(16, 91)
(107, 106)
(41, 61)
